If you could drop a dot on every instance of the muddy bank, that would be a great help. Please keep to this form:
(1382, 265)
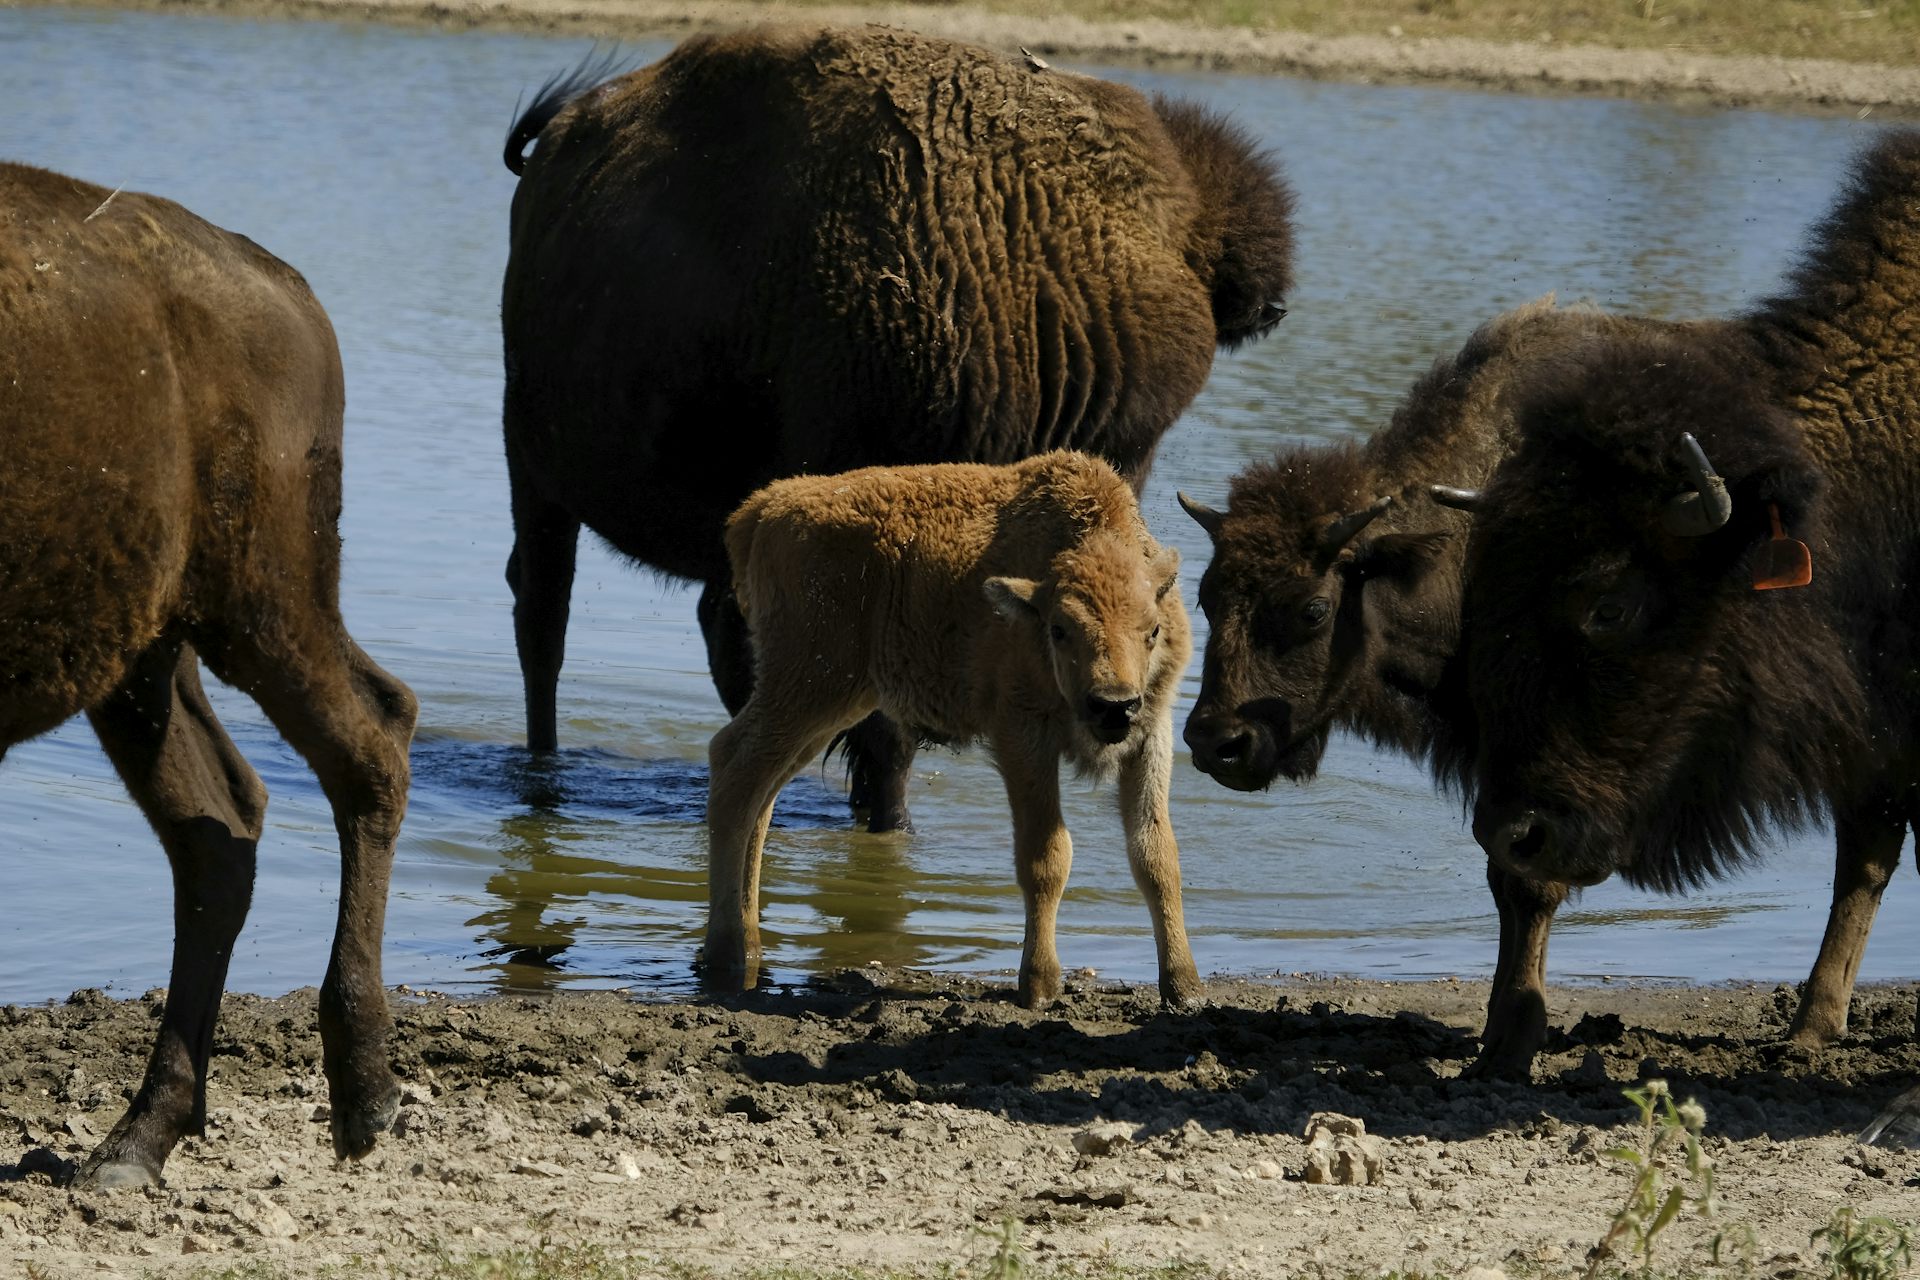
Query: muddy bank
(1534, 67)
(880, 1118)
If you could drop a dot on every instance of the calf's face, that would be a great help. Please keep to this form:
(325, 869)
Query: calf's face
(1109, 624)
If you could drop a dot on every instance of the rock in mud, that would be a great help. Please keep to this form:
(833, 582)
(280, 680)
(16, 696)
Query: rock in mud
(1103, 1138)
(1339, 1152)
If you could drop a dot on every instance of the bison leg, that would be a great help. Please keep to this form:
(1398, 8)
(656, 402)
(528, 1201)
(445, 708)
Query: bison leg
(1042, 857)
(750, 759)
(207, 806)
(353, 723)
(1155, 859)
(1867, 847)
(729, 645)
(879, 763)
(540, 572)
(1517, 1006)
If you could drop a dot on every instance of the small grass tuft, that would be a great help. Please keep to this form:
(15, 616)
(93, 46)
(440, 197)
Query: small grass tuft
(1861, 1247)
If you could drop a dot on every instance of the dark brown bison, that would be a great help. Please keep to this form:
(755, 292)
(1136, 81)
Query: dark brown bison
(170, 403)
(1653, 686)
(1333, 602)
(804, 250)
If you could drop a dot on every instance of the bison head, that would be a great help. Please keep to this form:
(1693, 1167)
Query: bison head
(1635, 704)
(1116, 635)
(1299, 579)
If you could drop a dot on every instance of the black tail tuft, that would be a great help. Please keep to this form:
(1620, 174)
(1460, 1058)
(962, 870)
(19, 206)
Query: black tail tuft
(560, 89)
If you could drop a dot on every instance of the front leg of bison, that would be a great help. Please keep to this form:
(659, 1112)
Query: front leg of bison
(1042, 854)
(1154, 857)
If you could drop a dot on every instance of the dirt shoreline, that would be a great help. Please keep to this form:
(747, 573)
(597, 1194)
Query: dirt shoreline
(1723, 80)
(885, 1120)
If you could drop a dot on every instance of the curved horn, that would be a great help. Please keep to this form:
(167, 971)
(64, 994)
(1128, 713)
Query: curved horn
(1203, 515)
(1342, 531)
(1690, 515)
(1458, 499)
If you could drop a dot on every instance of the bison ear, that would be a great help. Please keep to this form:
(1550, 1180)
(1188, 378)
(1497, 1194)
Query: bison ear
(1165, 568)
(1012, 598)
(1405, 557)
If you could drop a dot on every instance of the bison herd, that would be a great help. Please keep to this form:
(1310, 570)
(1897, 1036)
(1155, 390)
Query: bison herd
(1641, 591)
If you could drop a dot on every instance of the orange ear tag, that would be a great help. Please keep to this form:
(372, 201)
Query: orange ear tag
(1784, 561)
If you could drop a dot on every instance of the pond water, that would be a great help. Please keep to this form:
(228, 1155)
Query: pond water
(369, 158)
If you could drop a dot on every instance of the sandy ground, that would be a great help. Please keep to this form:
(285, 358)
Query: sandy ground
(886, 1119)
(1529, 67)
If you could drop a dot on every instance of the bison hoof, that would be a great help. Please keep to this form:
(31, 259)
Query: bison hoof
(1501, 1064)
(1183, 994)
(1815, 1034)
(104, 1172)
(357, 1128)
(883, 821)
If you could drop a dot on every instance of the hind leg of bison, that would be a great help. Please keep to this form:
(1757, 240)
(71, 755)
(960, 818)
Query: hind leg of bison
(353, 723)
(879, 764)
(206, 805)
(1042, 857)
(1867, 852)
(749, 760)
(729, 644)
(879, 753)
(1516, 1027)
(1155, 859)
(540, 573)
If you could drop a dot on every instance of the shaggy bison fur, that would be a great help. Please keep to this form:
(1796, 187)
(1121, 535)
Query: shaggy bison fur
(1025, 606)
(803, 250)
(170, 406)
(1333, 602)
(1639, 704)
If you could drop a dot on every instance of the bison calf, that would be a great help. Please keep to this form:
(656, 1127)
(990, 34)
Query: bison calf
(170, 413)
(1025, 606)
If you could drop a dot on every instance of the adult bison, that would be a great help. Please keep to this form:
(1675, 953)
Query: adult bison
(1654, 682)
(1022, 606)
(170, 404)
(1333, 601)
(803, 250)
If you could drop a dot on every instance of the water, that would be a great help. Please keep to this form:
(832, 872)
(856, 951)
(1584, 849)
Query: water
(369, 158)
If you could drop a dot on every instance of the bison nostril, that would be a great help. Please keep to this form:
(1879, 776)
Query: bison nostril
(1234, 749)
(1526, 838)
(1099, 708)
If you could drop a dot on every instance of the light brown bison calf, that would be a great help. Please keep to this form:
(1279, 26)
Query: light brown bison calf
(170, 406)
(1025, 606)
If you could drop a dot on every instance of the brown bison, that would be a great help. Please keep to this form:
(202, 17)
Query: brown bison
(1024, 606)
(1655, 681)
(804, 250)
(170, 405)
(1333, 601)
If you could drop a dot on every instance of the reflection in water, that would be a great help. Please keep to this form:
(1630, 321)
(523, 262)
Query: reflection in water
(1421, 213)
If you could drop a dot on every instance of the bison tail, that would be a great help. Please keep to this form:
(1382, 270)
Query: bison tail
(553, 96)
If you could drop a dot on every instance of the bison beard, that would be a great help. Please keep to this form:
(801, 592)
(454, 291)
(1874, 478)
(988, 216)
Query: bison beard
(1637, 706)
(803, 250)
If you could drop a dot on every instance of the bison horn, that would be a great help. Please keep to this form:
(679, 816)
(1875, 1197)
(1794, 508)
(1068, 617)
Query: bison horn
(1342, 531)
(1690, 515)
(1458, 499)
(1203, 515)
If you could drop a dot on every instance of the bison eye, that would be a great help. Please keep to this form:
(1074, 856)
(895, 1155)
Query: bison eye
(1316, 611)
(1058, 632)
(1610, 614)
(1153, 636)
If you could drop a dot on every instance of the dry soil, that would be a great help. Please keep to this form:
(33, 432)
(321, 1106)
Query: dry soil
(886, 1120)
